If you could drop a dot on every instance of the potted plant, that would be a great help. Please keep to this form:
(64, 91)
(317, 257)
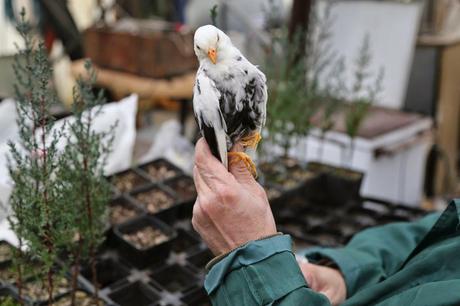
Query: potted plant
(59, 196)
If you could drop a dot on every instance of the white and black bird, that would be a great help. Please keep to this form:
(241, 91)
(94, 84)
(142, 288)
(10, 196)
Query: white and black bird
(229, 97)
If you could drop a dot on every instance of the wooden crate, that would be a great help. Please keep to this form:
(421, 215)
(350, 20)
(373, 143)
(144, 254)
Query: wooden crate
(148, 52)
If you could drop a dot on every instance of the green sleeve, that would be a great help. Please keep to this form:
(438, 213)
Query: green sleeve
(262, 272)
(375, 253)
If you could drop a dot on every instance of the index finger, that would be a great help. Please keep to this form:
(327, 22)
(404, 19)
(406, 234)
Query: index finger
(212, 171)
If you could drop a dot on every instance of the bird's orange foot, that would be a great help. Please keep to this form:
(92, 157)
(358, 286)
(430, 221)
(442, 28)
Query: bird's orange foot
(251, 141)
(235, 157)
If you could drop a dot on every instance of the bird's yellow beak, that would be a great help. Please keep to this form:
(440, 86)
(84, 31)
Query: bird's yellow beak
(212, 54)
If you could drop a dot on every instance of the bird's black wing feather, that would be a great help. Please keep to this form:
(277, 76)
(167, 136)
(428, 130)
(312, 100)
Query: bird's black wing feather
(244, 109)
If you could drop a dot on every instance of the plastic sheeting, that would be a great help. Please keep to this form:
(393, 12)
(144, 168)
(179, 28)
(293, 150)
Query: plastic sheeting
(122, 112)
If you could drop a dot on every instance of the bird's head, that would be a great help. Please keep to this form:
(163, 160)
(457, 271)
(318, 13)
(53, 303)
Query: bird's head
(211, 44)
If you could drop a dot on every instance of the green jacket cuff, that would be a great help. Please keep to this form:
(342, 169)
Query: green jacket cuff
(254, 271)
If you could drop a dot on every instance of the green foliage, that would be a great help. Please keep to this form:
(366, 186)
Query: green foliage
(363, 96)
(36, 198)
(294, 67)
(213, 14)
(59, 198)
(81, 173)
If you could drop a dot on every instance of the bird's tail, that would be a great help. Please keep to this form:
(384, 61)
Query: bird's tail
(217, 142)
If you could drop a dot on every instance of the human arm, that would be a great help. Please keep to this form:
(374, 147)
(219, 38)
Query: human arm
(233, 216)
(375, 253)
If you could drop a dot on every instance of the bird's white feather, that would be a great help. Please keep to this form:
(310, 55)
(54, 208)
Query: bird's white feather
(207, 111)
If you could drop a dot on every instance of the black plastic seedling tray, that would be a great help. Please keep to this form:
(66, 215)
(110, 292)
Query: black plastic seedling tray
(171, 273)
(143, 256)
(122, 209)
(134, 294)
(128, 181)
(174, 278)
(159, 170)
(109, 272)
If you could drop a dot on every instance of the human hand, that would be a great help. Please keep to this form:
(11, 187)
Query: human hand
(325, 280)
(231, 208)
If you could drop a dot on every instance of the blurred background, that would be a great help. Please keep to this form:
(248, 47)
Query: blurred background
(363, 113)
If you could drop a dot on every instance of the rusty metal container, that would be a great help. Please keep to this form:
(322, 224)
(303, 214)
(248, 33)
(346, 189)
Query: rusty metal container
(145, 48)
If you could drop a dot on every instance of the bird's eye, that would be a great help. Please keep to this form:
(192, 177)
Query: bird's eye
(218, 37)
(198, 47)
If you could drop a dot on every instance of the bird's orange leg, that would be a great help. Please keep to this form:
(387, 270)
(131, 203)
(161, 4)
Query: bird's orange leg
(235, 157)
(251, 141)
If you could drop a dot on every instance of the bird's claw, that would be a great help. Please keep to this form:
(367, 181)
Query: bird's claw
(235, 157)
(251, 141)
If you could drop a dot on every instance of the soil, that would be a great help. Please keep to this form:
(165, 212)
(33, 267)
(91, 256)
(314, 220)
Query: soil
(121, 212)
(287, 175)
(36, 289)
(146, 238)
(184, 188)
(127, 181)
(6, 253)
(7, 275)
(160, 171)
(154, 200)
(81, 299)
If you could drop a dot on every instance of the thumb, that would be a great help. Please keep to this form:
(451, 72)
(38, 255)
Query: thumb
(238, 169)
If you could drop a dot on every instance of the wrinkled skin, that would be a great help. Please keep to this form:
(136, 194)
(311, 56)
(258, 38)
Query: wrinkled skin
(231, 208)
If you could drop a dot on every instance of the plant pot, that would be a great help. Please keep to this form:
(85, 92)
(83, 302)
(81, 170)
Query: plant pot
(34, 289)
(153, 199)
(333, 185)
(184, 188)
(109, 272)
(6, 252)
(196, 297)
(7, 275)
(160, 170)
(174, 278)
(134, 294)
(128, 181)
(82, 298)
(143, 240)
(121, 210)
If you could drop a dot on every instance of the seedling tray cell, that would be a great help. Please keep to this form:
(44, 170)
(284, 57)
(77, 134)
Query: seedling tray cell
(154, 199)
(196, 297)
(6, 252)
(122, 210)
(200, 259)
(174, 278)
(144, 240)
(160, 170)
(34, 289)
(184, 187)
(7, 275)
(185, 242)
(82, 298)
(128, 180)
(134, 294)
(109, 272)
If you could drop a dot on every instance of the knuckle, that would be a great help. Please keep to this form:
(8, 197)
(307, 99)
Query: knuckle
(226, 193)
